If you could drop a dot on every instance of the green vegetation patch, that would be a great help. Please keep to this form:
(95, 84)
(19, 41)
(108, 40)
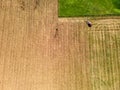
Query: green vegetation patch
(88, 7)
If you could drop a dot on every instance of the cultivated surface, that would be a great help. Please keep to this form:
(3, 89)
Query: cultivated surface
(38, 51)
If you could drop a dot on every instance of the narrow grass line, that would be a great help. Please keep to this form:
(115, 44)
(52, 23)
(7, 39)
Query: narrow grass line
(93, 59)
(84, 53)
(102, 47)
(110, 61)
(111, 47)
(90, 56)
(101, 50)
(96, 61)
(99, 61)
(78, 39)
(107, 57)
(117, 57)
(75, 62)
(104, 57)
(91, 73)
(75, 66)
(87, 57)
(118, 54)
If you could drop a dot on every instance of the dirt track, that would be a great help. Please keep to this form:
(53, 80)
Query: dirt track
(38, 51)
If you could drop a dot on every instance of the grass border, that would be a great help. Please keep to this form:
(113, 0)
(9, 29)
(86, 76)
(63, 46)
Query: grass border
(106, 15)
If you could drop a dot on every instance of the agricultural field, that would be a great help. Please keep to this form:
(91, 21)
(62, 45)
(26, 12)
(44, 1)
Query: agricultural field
(41, 50)
(88, 7)
(96, 52)
(104, 57)
(104, 49)
(102, 45)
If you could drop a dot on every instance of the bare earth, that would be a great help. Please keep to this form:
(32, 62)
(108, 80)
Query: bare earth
(39, 51)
